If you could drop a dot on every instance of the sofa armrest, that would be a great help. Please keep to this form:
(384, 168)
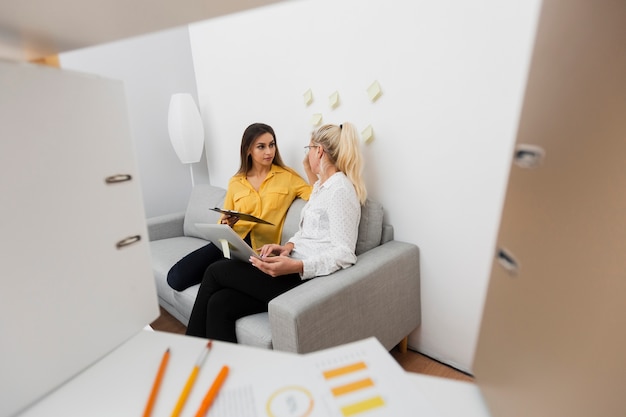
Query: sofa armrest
(166, 226)
(378, 296)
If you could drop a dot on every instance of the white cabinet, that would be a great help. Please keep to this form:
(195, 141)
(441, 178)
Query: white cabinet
(552, 341)
(71, 289)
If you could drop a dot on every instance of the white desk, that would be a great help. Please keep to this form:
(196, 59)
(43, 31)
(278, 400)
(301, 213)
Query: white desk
(451, 398)
(119, 384)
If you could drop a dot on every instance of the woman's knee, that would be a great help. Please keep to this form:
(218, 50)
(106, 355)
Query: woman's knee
(231, 304)
(219, 303)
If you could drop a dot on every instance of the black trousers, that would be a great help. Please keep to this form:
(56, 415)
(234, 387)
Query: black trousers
(190, 270)
(230, 290)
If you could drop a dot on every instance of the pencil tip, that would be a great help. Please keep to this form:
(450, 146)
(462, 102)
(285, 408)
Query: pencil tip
(210, 344)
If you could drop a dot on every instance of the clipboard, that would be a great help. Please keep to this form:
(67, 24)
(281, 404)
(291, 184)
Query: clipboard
(242, 216)
(225, 238)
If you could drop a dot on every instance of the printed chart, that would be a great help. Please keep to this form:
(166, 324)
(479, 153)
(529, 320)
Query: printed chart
(359, 379)
(353, 389)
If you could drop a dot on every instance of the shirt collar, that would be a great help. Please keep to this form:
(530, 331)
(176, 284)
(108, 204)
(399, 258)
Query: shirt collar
(330, 181)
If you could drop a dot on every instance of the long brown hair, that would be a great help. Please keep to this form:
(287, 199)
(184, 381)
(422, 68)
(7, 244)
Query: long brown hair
(249, 136)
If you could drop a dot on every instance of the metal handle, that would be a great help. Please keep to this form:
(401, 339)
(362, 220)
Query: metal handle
(507, 261)
(128, 241)
(528, 156)
(113, 179)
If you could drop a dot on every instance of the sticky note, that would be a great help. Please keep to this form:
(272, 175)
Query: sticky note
(333, 100)
(374, 91)
(316, 119)
(225, 248)
(367, 134)
(308, 97)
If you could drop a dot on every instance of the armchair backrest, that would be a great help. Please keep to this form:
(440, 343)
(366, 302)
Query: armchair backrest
(203, 197)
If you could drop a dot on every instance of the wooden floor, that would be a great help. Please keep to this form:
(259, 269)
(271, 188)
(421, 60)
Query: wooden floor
(410, 361)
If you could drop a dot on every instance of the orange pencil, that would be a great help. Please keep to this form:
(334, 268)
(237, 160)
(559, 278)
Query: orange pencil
(157, 383)
(190, 381)
(212, 392)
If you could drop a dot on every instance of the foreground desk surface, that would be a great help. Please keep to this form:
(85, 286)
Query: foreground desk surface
(451, 398)
(120, 383)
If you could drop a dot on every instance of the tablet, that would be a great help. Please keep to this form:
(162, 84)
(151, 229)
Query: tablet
(225, 238)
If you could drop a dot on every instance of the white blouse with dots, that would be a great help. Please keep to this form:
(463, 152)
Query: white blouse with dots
(329, 225)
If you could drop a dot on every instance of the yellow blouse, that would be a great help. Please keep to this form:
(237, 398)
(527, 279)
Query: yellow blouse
(271, 202)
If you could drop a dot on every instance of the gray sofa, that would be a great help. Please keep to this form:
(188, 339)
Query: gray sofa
(378, 296)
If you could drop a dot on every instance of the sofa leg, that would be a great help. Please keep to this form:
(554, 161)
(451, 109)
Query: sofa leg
(404, 344)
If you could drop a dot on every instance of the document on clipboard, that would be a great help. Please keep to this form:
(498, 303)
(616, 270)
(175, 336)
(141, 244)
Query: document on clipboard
(242, 216)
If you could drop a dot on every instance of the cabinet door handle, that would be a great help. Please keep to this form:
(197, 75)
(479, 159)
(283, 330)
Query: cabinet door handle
(507, 261)
(528, 156)
(113, 179)
(128, 241)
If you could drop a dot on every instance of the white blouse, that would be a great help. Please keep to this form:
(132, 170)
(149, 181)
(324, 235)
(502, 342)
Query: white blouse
(329, 225)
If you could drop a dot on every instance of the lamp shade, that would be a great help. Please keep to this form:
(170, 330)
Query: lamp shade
(185, 128)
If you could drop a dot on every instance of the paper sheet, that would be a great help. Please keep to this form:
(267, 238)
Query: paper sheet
(353, 380)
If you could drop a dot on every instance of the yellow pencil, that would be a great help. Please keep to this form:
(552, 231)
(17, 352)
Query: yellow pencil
(190, 381)
(157, 384)
(212, 392)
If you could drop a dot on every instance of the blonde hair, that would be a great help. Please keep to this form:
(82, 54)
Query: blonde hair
(341, 144)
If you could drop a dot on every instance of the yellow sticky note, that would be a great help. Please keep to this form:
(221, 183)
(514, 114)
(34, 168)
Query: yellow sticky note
(368, 134)
(333, 100)
(316, 119)
(374, 91)
(308, 97)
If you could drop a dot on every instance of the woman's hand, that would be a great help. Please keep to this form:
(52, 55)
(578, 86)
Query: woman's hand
(275, 250)
(309, 171)
(269, 250)
(277, 265)
(229, 219)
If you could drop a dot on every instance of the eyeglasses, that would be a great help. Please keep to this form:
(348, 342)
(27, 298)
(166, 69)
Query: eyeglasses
(308, 148)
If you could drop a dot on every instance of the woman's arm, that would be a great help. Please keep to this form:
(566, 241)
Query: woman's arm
(309, 172)
(228, 205)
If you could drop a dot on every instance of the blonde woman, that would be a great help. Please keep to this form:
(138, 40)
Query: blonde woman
(324, 243)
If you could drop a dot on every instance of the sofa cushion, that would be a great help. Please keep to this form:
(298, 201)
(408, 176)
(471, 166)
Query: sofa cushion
(203, 197)
(292, 220)
(254, 330)
(370, 227)
(165, 253)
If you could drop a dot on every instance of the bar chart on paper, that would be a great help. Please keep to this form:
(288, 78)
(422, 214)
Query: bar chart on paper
(359, 379)
(353, 389)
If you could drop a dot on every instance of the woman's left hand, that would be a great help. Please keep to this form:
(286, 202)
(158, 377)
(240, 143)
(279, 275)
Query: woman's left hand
(229, 219)
(277, 265)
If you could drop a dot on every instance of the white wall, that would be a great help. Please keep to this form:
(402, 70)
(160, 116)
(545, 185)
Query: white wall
(453, 76)
(153, 67)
